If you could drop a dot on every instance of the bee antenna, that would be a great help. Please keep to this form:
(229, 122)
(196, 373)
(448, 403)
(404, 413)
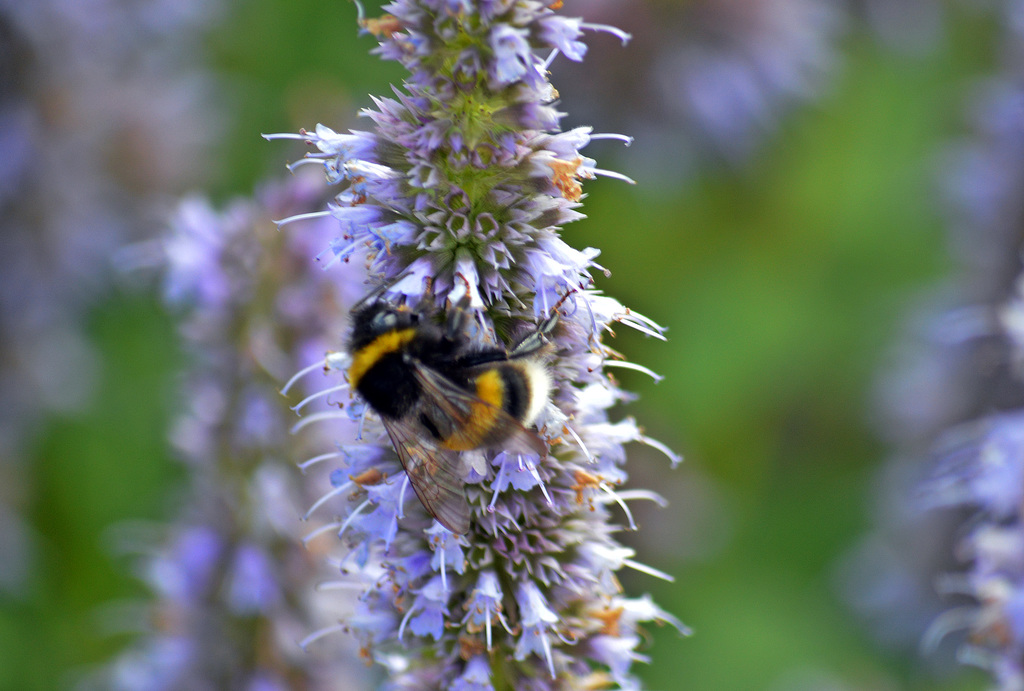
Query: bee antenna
(375, 294)
(547, 325)
(464, 301)
(568, 293)
(372, 296)
(457, 321)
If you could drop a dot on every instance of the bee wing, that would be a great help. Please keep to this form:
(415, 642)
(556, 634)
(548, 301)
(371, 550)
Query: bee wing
(452, 408)
(434, 474)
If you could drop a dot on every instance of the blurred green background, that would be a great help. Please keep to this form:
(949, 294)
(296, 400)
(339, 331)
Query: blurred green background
(783, 285)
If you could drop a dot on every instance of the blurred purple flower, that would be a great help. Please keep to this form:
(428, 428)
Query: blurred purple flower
(718, 77)
(104, 110)
(959, 398)
(232, 584)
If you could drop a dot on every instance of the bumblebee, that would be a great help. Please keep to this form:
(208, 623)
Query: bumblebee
(437, 395)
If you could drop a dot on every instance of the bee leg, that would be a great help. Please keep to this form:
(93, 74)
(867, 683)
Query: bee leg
(535, 340)
(538, 339)
(384, 287)
(459, 314)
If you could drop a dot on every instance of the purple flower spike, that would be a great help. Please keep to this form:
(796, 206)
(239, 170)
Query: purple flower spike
(454, 201)
(232, 585)
(963, 396)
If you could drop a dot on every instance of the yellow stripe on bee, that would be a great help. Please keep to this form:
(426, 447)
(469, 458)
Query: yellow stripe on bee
(368, 356)
(483, 415)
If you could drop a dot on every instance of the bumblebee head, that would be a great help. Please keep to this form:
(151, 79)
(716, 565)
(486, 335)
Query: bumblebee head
(377, 318)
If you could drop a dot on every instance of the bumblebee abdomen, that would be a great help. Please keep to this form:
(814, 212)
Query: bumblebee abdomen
(516, 392)
(482, 423)
(506, 390)
(529, 388)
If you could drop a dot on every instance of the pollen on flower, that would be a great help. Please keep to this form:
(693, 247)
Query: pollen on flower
(386, 25)
(585, 481)
(359, 190)
(370, 476)
(565, 178)
(610, 619)
(470, 647)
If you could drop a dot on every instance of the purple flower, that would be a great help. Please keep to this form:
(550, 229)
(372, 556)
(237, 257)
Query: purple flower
(564, 34)
(135, 106)
(255, 587)
(475, 677)
(79, 180)
(227, 576)
(963, 399)
(456, 207)
(985, 472)
(185, 574)
(427, 615)
(513, 56)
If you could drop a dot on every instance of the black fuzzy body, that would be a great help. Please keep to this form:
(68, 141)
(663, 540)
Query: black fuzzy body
(390, 385)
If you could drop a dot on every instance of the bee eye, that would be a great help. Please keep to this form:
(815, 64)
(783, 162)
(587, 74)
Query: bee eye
(384, 321)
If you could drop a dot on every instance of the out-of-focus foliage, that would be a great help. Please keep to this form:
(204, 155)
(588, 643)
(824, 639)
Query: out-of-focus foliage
(784, 280)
